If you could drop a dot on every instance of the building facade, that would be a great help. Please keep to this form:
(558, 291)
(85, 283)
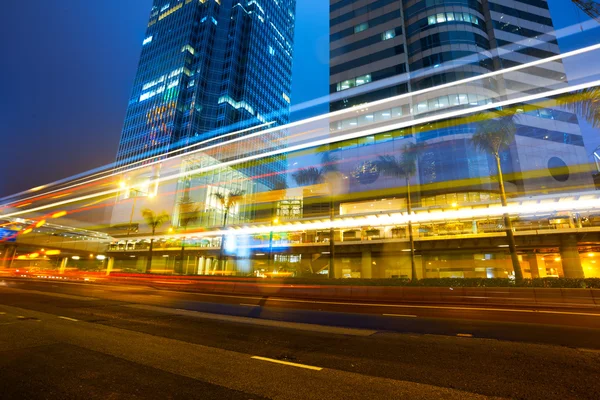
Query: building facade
(383, 48)
(210, 70)
(208, 67)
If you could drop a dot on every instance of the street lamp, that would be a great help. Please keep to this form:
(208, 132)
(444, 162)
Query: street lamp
(275, 221)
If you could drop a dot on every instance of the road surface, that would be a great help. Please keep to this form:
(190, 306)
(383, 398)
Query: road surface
(75, 341)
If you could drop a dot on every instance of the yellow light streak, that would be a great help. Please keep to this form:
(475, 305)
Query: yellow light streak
(352, 110)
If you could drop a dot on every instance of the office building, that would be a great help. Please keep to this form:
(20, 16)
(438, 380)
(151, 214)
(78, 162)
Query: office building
(383, 48)
(208, 67)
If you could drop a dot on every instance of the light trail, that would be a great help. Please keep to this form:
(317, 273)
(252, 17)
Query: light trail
(348, 136)
(335, 114)
(493, 211)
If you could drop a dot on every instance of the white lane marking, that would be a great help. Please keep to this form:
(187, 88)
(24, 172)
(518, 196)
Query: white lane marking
(287, 363)
(400, 315)
(464, 335)
(249, 305)
(69, 319)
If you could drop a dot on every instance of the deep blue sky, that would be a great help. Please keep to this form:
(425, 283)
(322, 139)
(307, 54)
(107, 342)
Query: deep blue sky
(67, 67)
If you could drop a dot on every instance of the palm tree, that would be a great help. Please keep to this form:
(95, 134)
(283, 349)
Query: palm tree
(188, 214)
(585, 103)
(308, 176)
(153, 220)
(227, 201)
(496, 132)
(314, 176)
(404, 168)
(279, 186)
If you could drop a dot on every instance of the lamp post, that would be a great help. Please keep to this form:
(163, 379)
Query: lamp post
(273, 222)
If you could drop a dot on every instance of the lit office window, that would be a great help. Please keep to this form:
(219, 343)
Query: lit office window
(361, 80)
(388, 34)
(361, 27)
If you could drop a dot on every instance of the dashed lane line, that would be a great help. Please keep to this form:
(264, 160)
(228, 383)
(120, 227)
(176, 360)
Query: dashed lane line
(69, 319)
(291, 364)
(400, 315)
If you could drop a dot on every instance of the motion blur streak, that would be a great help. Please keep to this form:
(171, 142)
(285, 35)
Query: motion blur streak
(316, 143)
(152, 160)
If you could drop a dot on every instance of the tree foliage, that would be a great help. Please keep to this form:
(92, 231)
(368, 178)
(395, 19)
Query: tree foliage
(585, 103)
(495, 131)
(154, 220)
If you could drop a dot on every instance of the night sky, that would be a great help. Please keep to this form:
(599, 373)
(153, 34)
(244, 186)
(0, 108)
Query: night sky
(67, 67)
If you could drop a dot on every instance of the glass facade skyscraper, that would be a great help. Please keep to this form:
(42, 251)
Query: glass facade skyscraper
(208, 67)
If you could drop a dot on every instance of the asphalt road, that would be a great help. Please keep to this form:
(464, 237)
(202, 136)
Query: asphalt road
(71, 341)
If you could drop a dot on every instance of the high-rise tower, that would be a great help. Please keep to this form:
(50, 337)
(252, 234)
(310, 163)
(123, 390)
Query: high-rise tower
(208, 67)
(382, 48)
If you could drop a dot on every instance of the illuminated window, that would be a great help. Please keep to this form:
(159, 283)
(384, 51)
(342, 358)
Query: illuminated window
(361, 27)
(350, 83)
(147, 40)
(387, 35)
(452, 17)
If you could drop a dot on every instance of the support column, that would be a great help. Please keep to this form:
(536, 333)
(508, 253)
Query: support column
(200, 268)
(5, 256)
(110, 265)
(11, 255)
(367, 265)
(533, 266)
(569, 255)
(63, 265)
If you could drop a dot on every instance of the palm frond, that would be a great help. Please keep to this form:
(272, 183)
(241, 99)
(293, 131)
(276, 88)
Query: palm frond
(308, 176)
(154, 220)
(329, 162)
(234, 198)
(585, 103)
(221, 198)
(495, 131)
(388, 165)
(188, 215)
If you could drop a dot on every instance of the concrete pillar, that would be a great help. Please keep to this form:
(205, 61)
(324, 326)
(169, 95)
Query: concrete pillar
(569, 255)
(366, 270)
(5, 256)
(8, 255)
(200, 265)
(110, 265)
(337, 267)
(420, 266)
(533, 265)
(63, 265)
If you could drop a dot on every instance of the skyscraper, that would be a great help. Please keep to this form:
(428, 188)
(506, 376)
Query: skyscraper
(208, 67)
(382, 48)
